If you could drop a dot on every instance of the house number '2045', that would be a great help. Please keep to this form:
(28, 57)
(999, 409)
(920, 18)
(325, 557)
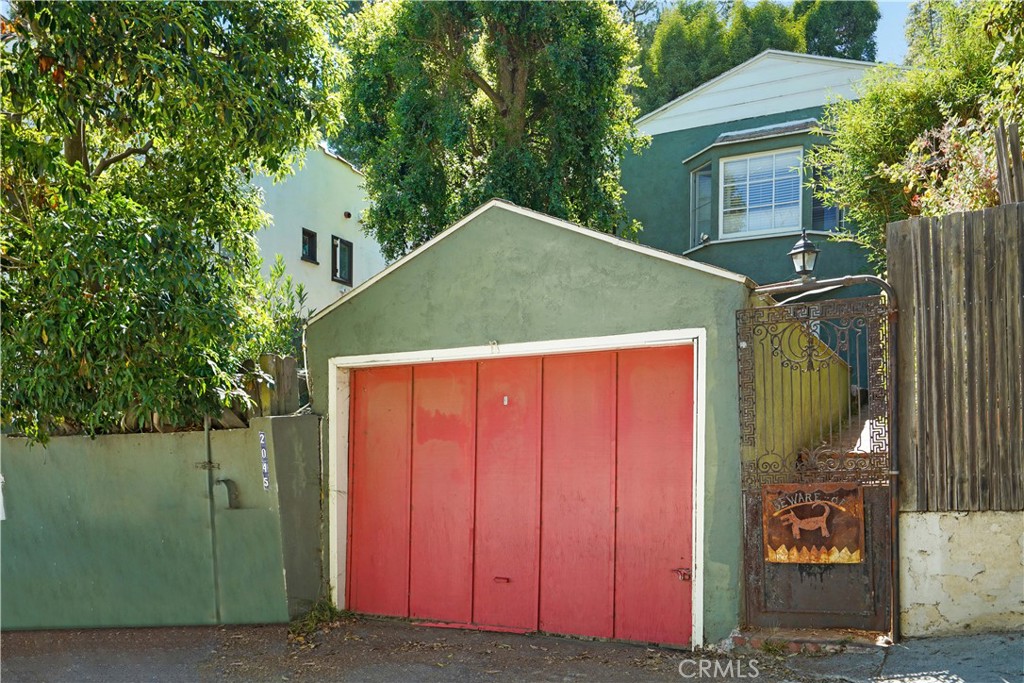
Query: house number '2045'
(264, 461)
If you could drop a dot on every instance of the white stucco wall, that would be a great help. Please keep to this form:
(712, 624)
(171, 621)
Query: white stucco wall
(961, 572)
(316, 197)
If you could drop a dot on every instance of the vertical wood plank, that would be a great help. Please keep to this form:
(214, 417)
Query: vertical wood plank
(1015, 303)
(979, 383)
(1015, 306)
(900, 267)
(654, 494)
(507, 552)
(379, 549)
(578, 495)
(443, 452)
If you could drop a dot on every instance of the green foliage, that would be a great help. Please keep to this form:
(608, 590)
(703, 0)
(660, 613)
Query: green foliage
(131, 290)
(899, 117)
(839, 29)
(688, 49)
(694, 42)
(1005, 29)
(765, 26)
(948, 170)
(456, 103)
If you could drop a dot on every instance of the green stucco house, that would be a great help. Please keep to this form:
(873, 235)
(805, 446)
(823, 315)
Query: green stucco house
(723, 179)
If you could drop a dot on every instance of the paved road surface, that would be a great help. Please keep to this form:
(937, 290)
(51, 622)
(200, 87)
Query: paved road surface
(382, 650)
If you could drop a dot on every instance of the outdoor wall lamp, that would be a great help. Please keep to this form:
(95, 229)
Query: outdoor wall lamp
(804, 255)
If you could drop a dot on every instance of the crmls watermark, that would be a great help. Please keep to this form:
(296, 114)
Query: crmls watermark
(730, 669)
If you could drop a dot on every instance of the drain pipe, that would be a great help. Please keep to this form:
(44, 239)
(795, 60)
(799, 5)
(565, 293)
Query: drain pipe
(810, 285)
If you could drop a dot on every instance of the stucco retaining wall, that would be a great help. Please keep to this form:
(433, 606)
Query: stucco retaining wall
(135, 530)
(961, 572)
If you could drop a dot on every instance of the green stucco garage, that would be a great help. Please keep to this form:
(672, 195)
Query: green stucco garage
(509, 281)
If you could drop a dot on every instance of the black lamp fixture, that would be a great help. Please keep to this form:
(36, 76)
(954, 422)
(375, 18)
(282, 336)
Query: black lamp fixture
(804, 255)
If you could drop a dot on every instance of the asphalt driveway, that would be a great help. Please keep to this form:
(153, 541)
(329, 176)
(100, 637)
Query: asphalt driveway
(371, 650)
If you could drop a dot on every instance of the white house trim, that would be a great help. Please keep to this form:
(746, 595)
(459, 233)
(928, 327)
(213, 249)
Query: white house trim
(758, 236)
(338, 373)
(793, 56)
(767, 135)
(544, 218)
(801, 81)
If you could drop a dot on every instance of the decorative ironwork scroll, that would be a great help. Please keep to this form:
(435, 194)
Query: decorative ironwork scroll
(814, 393)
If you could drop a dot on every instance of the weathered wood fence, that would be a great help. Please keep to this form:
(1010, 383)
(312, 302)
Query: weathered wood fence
(959, 280)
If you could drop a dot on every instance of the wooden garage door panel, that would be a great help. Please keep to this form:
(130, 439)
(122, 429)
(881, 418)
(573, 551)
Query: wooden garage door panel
(441, 547)
(508, 493)
(379, 541)
(654, 494)
(578, 494)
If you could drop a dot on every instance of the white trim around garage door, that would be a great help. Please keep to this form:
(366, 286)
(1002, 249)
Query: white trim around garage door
(338, 430)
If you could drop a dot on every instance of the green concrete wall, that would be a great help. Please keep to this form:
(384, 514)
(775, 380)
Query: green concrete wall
(657, 184)
(126, 530)
(509, 278)
(107, 532)
(295, 452)
(766, 260)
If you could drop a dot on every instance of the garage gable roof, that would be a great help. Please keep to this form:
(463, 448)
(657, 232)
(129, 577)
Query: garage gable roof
(502, 205)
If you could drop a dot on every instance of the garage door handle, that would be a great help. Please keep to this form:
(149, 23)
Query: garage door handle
(502, 579)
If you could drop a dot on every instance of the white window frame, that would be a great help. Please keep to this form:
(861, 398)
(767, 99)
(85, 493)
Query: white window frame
(721, 196)
(695, 233)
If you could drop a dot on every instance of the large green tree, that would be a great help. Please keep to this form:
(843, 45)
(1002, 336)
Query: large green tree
(688, 49)
(452, 103)
(953, 72)
(131, 292)
(839, 29)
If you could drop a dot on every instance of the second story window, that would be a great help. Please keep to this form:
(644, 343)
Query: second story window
(701, 200)
(824, 217)
(309, 246)
(761, 193)
(341, 260)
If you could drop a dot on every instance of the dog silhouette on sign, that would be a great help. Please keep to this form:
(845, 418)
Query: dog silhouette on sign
(819, 523)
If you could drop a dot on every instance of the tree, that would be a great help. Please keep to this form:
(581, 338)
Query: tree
(839, 29)
(688, 49)
(948, 81)
(131, 289)
(456, 103)
(765, 26)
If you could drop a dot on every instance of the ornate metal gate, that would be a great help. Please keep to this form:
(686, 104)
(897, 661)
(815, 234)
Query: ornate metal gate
(815, 412)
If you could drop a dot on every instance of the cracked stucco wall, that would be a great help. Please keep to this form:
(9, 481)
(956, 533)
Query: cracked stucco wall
(961, 572)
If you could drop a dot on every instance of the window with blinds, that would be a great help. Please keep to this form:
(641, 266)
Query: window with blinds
(761, 193)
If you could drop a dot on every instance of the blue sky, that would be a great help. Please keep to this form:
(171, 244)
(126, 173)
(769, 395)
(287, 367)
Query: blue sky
(892, 43)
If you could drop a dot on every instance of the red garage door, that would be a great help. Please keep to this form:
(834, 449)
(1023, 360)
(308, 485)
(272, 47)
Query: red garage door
(549, 493)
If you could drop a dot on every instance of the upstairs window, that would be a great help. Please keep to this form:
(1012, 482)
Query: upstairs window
(825, 217)
(701, 196)
(761, 193)
(341, 260)
(309, 246)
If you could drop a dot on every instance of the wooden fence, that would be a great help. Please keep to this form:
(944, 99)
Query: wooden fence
(959, 281)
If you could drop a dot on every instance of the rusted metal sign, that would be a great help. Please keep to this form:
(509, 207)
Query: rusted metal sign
(819, 523)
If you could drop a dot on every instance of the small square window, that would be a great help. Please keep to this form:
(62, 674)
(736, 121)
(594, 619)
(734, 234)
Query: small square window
(341, 260)
(309, 246)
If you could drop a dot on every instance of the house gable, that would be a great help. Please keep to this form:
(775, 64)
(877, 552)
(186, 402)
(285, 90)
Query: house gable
(321, 204)
(771, 83)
